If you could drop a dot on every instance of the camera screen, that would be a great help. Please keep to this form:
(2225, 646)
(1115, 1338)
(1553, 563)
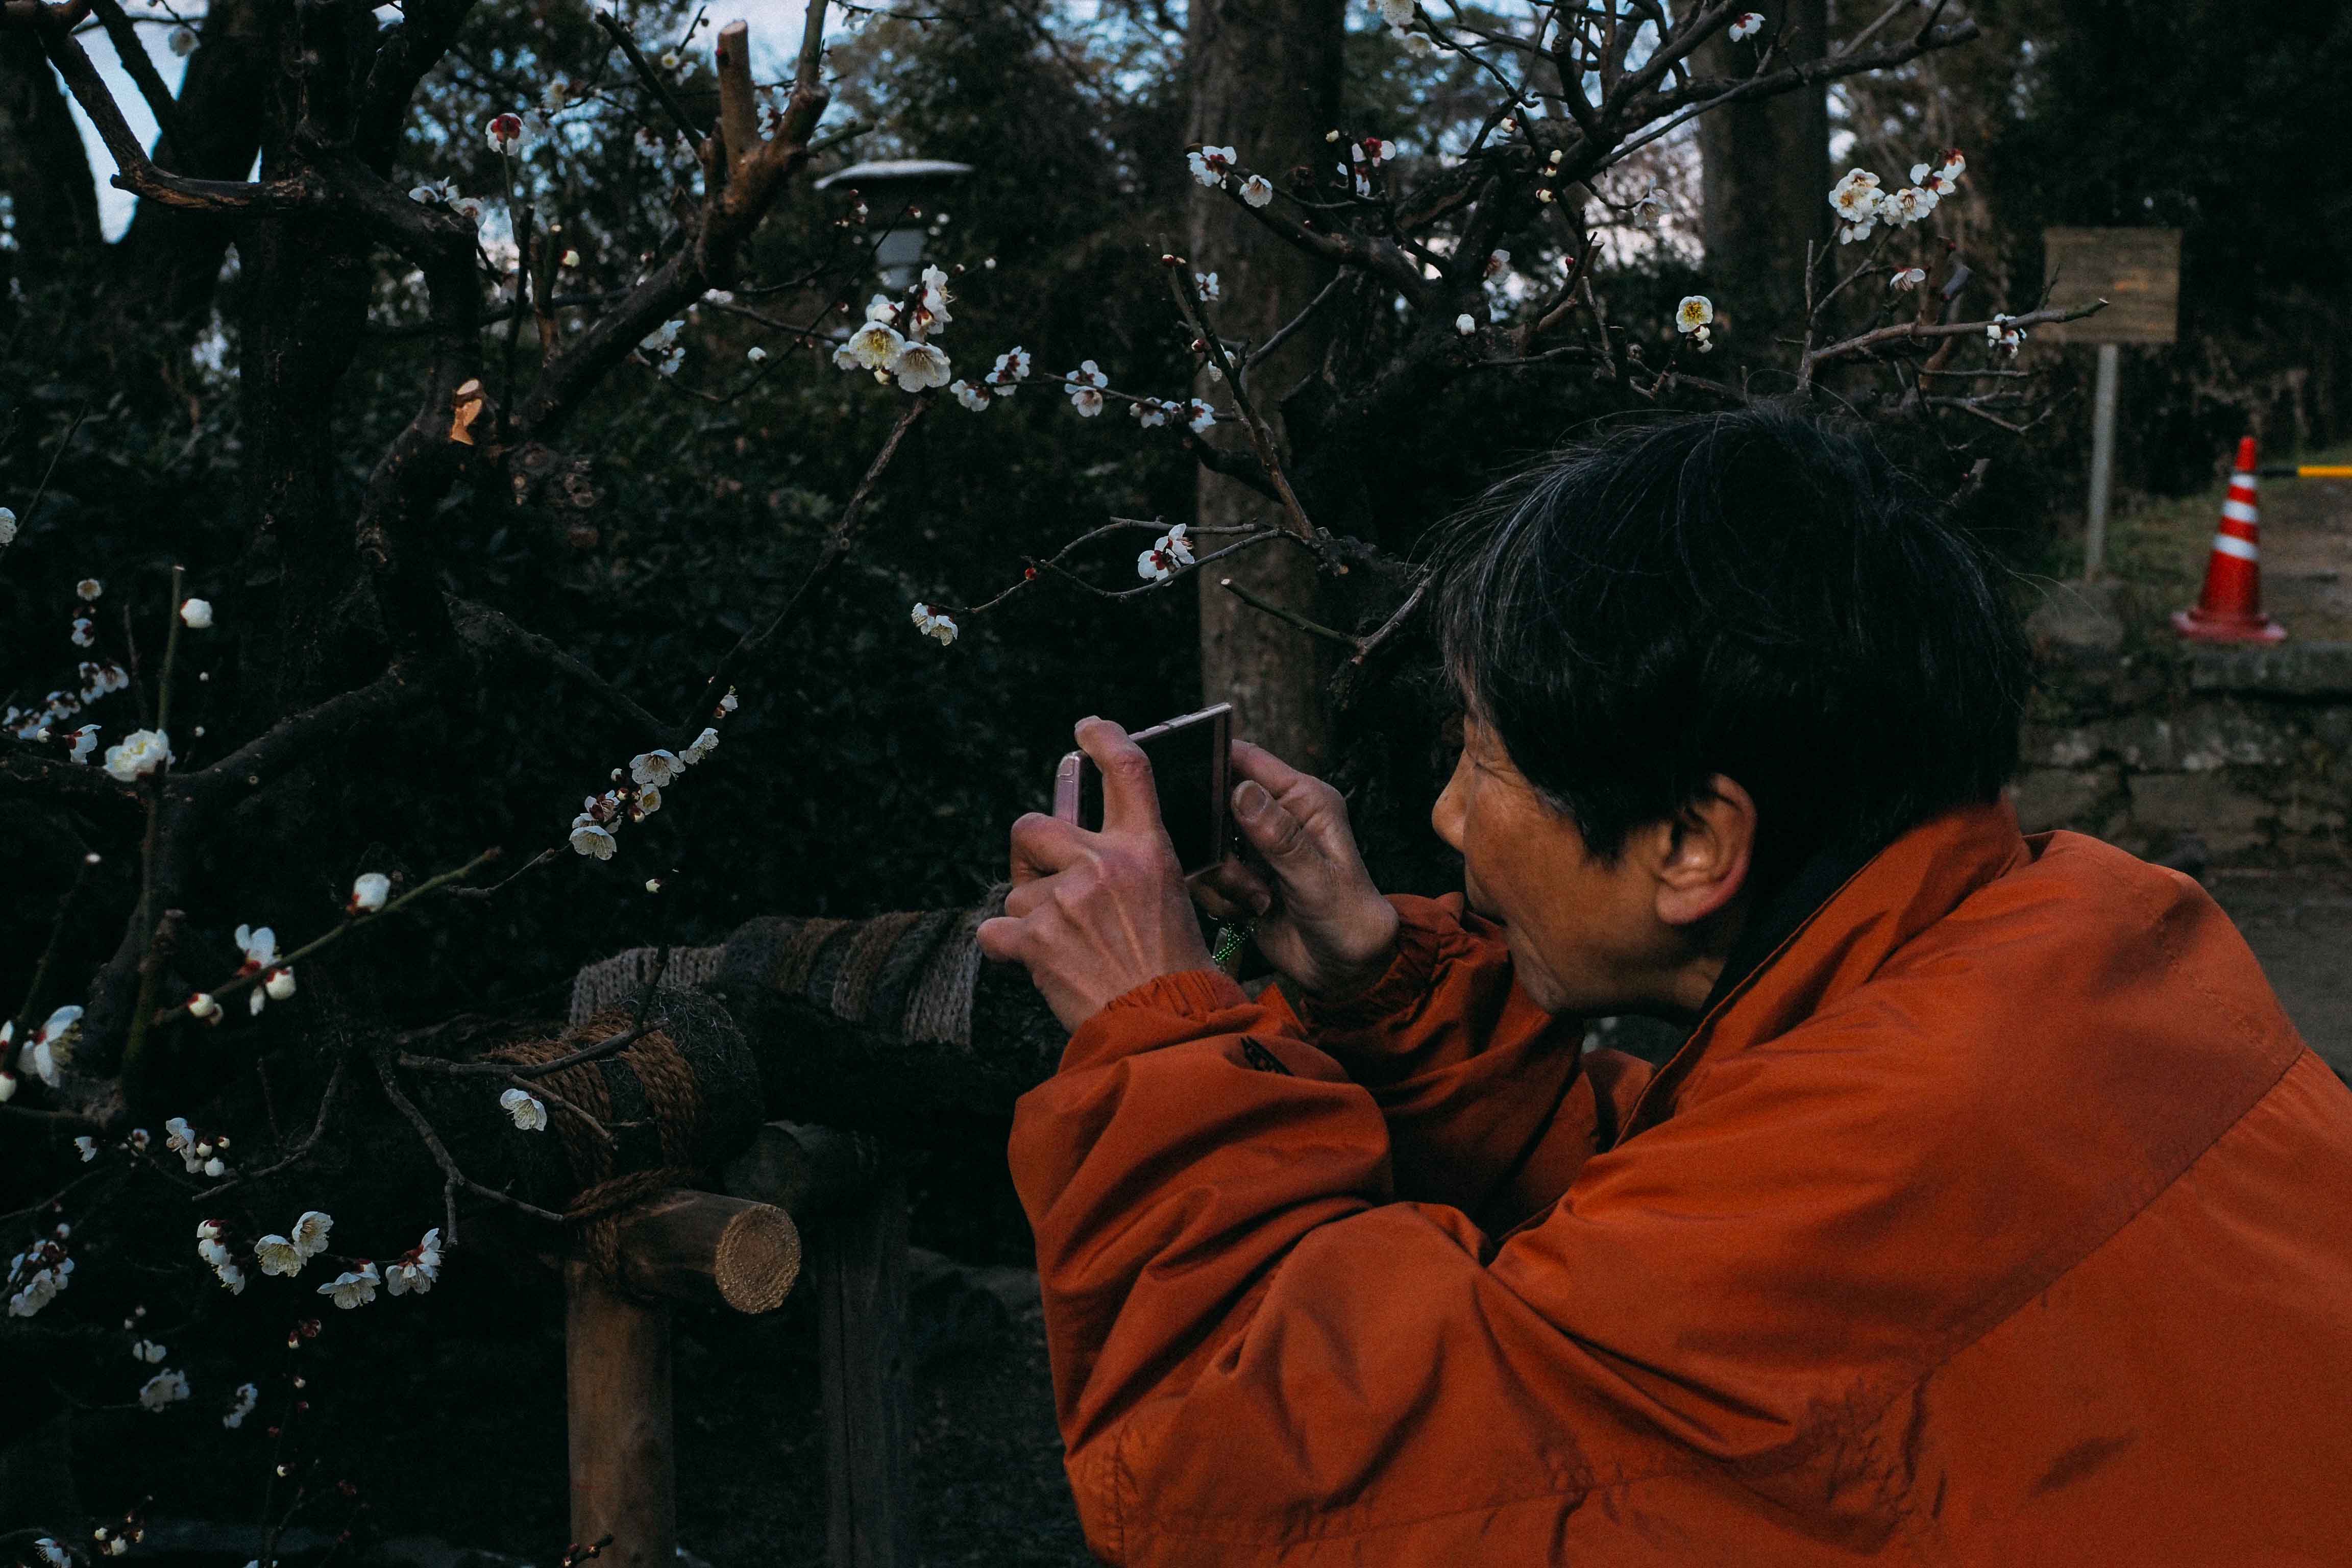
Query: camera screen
(1184, 769)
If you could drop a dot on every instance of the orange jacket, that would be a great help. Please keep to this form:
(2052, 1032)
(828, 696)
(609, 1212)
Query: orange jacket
(2001, 1218)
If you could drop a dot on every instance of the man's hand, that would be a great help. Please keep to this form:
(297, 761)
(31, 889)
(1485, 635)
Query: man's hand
(1094, 915)
(1321, 921)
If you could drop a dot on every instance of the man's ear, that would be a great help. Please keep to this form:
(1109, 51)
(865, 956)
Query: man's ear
(1708, 847)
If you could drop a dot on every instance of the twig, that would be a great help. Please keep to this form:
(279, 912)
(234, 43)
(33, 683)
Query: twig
(310, 1140)
(232, 987)
(619, 32)
(1279, 613)
(441, 1156)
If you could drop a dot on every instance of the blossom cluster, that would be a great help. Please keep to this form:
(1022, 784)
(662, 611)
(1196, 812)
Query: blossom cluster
(1169, 551)
(1861, 204)
(37, 1274)
(601, 816)
(199, 1152)
(894, 340)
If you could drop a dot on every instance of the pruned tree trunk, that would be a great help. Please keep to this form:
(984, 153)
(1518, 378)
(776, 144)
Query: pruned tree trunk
(1265, 78)
(1766, 183)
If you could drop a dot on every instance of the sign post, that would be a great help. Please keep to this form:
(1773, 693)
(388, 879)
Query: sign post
(2137, 272)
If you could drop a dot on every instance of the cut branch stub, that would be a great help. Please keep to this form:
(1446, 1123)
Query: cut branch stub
(806, 1170)
(707, 1250)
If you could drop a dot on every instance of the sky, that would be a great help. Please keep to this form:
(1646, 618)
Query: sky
(775, 36)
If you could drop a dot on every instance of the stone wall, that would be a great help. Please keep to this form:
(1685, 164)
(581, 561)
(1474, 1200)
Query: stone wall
(2144, 743)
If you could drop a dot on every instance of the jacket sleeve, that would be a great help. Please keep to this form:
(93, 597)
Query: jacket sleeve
(1490, 1104)
(1193, 1139)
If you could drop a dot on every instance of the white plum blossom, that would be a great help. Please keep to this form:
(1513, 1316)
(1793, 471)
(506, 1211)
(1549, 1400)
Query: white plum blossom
(310, 1232)
(1943, 178)
(279, 983)
(704, 744)
(211, 1250)
(1373, 150)
(50, 1552)
(972, 397)
(279, 1256)
(648, 801)
(661, 337)
(256, 1000)
(148, 1350)
(1176, 544)
(183, 41)
(369, 891)
(84, 633)
(232, 1277)
(248, 1396)
(7, 525)
(877, 345)
(655, 767)
(84, 742)
(1211, 164)
(50, 1047)
(504, 133)
(755, 354)
(1149, 411)
(432, 191)
(525, 1108)
(1498, 263)
(1466, 323)
(1397, 13)
(935, 298)
(353, 1287)
(1697, 310)
(88, 1147)
(934, 626)
(196, 614)
(1650, 209)
(919, 366)
(139, 753)
(1155, 565)
(88, 589)
(2001, 336)
(202, 1005)
(1421, 47)
(1084, 385)
(1211, 289)
(1906, 278)
(165, 1388)
(1199, 415)
(590, 838)
(1908, 206)
(260, 948)
(1858, 203)
(1746, 26)
(1257, 190)
(417, 1269)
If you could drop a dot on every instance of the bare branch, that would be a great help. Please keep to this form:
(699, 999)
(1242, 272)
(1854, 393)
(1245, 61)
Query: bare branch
(150, 81)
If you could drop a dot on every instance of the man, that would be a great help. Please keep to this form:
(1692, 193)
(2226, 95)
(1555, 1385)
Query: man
(1992, 1214)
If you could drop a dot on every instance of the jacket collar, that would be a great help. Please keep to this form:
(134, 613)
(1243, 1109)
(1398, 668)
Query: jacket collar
(1829, 930)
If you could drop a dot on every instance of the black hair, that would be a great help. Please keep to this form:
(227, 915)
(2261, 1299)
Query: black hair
(1757, 593)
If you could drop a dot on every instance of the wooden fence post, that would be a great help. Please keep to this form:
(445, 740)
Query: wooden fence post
(616, 1357)
(860, 1268)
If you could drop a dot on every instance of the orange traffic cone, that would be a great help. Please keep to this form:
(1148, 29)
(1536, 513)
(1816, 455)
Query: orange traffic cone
(2231, 607)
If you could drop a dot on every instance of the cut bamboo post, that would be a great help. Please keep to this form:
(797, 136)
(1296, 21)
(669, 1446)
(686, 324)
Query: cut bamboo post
(616, 1357)
(861, 1278)
(738, 108)
(710, 1251)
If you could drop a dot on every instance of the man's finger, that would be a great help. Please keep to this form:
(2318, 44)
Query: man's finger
(1232, 891)
(1130, 798)
(1043, 844)
(1000, 939)
(1272, 831)
(1252, 760)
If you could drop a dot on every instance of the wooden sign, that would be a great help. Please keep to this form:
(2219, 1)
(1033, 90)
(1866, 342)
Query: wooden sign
(2135, 270)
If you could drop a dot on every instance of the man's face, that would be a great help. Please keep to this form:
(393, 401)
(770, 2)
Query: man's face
(1584, 934)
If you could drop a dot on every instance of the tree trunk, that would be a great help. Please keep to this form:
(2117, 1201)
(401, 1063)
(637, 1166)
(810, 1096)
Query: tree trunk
(1265, 81)
(1766, 184)
(43, 171)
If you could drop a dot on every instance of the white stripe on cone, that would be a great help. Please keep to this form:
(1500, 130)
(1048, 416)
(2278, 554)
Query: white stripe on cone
(2230, 544)
(2240, 511)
